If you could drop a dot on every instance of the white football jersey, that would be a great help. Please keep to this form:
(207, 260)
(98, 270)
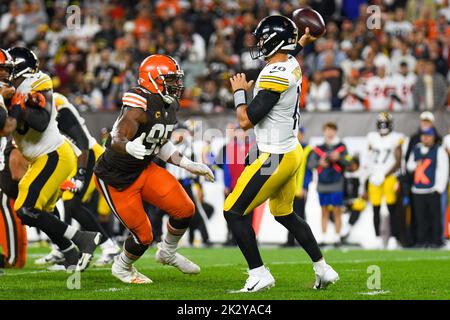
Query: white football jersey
(351, 94)
(378, 90)
(277, 131)
(61, 102)
(30, 142)
(382, 150)
(403, 86)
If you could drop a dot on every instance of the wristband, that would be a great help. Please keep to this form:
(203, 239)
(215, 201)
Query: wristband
(240, 98)
(15, 111)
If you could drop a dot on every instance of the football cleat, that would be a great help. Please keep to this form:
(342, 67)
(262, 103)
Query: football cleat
(176, 260)
(325, 277)
(87, 247)
(258, 279)
(109, 251)
(55, 256)
(128, 274)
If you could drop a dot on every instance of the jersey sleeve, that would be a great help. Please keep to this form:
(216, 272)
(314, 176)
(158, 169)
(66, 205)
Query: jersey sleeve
(134, 100)
(274, 78)
(43, 83)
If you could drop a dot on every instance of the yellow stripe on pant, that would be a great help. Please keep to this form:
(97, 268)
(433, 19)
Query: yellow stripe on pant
(97, 150)
(271, 176)
(40, 186)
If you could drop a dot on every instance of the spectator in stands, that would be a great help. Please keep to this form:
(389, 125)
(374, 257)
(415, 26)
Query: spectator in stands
(402, 55)
(352, 62)
(378, 90)
(403, 86)
(333, 75)
(330, 160)
(429, 165)
(106, 78)
(430, 90)
(353, 94)
(319, 96)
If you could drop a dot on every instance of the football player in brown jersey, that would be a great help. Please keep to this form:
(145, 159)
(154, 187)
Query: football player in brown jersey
(126, 174)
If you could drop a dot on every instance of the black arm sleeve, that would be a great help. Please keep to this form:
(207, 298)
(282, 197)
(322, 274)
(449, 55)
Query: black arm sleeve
(36, 118)
(261, 105)
(69, 126)
(297, 50)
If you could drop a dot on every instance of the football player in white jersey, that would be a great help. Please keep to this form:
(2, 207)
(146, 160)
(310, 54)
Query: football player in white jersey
(385, 154)
(30, 117)
(273, 113)
(403, 83)
(81, 186)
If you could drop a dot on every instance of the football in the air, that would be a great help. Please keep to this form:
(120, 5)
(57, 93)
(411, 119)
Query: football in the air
(307, 17)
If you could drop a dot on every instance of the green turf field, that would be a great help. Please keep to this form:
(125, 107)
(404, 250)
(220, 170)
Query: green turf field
(407, 274)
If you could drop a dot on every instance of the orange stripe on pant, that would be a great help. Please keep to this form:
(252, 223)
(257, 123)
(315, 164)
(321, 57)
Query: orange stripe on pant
(13, 235)
(156, 186)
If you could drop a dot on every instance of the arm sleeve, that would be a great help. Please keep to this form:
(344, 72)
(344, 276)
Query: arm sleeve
(297, 50)
(261, 105)
(38, 119)
(166, 151)
(69, 125)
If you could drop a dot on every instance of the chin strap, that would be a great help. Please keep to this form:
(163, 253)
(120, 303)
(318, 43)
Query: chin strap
(166, 98)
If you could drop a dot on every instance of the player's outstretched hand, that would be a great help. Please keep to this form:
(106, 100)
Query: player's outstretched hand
(197, 168)
(307, 38)
(136, 147)
(239, 82)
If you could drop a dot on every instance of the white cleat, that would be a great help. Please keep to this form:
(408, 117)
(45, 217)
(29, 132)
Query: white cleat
(55, 256)
(325, 277)
(176, 260)
(109, 251)
(258, 279)
(128, 275)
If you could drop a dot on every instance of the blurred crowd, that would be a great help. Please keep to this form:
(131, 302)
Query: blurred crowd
(93, 50)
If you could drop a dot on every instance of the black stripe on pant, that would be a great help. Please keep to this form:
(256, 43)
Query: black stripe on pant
(38, 184)
(255, 184)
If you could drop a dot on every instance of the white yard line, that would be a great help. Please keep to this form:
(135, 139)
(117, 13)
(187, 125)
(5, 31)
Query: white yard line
(221, 265)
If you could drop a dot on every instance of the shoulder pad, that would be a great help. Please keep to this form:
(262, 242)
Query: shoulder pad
(135, 97)
(42, 82)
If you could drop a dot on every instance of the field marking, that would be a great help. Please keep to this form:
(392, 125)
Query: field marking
(374, 293)
(221, 265)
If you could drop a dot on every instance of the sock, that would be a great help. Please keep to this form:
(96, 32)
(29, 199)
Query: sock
(175, 231)
(71, 255)
(124, 260)
(70, 232)
(376, 220)
(243, 233)
(132, 250)
(86, 218)
(302, 232)
(258, 270)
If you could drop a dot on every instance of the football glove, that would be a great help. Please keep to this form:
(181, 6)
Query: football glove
(197, 168)
(136, 147)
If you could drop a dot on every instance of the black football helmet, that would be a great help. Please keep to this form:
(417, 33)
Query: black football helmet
(385, 123)
(272, 34)
(25, 61)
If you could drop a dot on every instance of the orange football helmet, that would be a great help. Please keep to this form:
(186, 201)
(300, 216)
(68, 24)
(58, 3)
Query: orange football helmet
(6, 61)
(162, 75)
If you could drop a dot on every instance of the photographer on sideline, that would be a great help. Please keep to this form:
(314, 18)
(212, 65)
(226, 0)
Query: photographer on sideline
(330, 160)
